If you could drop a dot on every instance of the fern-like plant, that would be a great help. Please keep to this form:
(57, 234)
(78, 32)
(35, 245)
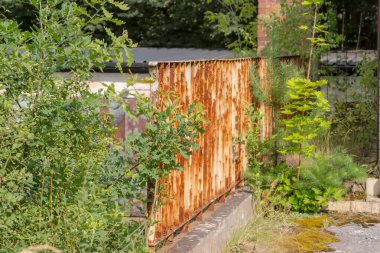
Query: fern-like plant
(303, 116)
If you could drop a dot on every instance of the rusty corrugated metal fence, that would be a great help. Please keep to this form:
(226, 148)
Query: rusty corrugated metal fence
(223, 87)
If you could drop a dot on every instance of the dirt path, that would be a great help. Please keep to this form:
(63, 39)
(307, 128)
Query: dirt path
(355, 238)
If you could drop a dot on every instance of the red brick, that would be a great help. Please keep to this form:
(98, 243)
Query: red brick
(266, 8)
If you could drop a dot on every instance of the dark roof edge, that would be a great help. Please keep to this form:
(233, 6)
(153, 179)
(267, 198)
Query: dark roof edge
(135, 68)
(143, 68)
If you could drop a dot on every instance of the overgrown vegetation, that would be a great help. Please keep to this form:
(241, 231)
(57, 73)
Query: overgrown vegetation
(300, 168)
(293, 35)
(303, 117)
(165, 23)
(321, 180)
(64, 181)
(275, 95)
(161, 23)
(299, 179)
(237, 20)
(354, 117)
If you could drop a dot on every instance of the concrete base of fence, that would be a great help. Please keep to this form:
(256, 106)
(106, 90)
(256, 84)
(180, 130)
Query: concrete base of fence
(213, 234)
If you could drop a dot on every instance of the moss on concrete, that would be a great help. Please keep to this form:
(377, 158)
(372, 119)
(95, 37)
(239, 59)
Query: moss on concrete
(309, 235)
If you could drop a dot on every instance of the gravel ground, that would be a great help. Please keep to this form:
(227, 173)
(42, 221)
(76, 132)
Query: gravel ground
(356, 239)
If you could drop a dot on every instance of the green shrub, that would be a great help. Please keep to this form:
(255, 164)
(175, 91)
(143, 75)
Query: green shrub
(330, 170)
(54, 144)
(63, 180)
(304, 115)
(354, 121)
(321, 180)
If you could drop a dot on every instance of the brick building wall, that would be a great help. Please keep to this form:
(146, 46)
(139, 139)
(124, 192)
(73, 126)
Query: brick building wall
(266, 8)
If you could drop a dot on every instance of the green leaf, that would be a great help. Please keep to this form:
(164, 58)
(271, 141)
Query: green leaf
(120, 5)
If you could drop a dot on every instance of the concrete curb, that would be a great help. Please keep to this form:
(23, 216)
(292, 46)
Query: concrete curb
(354, 207)
(212, 235)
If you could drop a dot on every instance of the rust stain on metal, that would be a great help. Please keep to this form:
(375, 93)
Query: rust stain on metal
(265, 109)
(217, 167)
(223, 87)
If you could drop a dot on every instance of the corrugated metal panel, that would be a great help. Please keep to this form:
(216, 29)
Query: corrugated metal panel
(266, 110)
(223, 87)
